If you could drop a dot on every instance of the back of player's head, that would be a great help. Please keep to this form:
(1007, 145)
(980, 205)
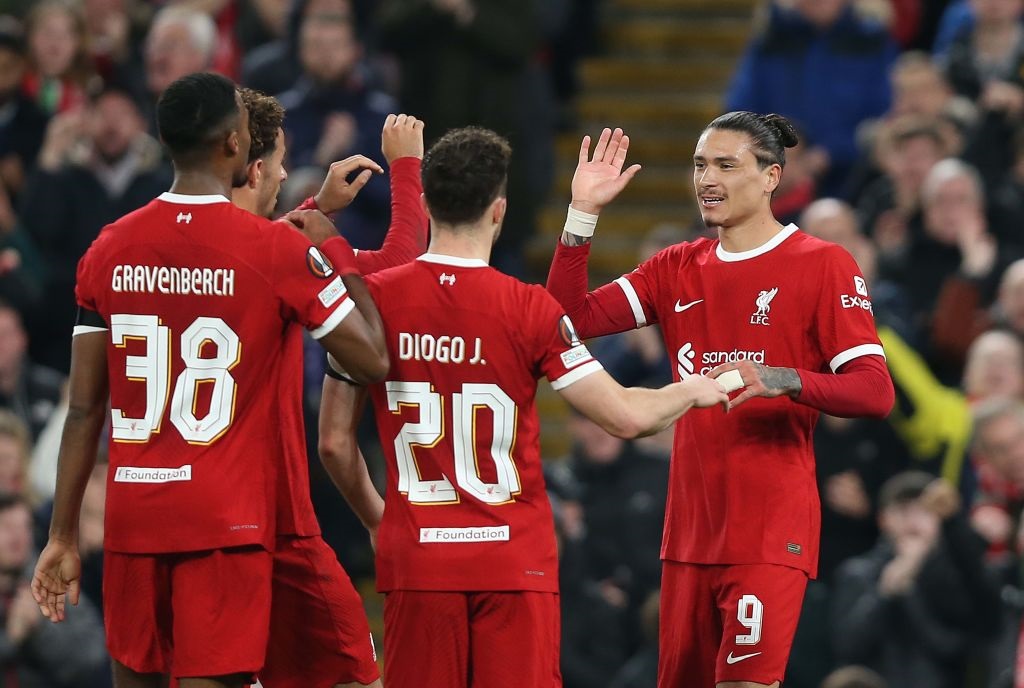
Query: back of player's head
(195, 112)
(903, 488)
(770, 134)
(266, 116)
(463, 173)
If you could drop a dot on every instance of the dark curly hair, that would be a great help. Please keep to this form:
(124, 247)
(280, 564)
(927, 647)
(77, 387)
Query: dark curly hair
(265, 117)
(463, 172)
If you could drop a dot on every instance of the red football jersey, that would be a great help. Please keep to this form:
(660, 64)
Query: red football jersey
(742, 485)
(465, 505)
(197, 296)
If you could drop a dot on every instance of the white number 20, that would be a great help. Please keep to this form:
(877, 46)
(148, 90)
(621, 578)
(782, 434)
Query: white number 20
(154, 368)
(750, 613)
(430, 430)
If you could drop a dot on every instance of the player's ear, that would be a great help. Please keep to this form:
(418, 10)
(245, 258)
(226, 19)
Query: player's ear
(232, 143)
(772, 177)
(498, 208)
(254, 173)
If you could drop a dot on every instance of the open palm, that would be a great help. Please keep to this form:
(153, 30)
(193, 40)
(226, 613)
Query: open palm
(599, 179)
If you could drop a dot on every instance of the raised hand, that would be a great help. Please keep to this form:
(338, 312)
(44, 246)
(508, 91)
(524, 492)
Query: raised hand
(402, 137)
(337, 191)
(599, 179)
(57, 579)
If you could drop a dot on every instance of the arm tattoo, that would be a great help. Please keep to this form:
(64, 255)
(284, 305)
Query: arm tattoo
(781, 380)
(570, 239)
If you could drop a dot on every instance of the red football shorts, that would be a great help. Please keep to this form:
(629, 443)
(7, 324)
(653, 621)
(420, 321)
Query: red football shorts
(471, 639)
(726, 623)
(193, 614)
(319, 635)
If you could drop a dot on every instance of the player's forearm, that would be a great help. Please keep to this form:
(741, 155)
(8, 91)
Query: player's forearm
(861, 388)
(350, 475)
(407, 236)
(341, 407)
(75, 463)
(602, 311)
(654, 410)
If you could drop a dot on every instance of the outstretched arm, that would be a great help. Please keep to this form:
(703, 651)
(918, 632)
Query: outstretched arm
(630, 412)
(58, 570)
(860, 388)
(596, 182)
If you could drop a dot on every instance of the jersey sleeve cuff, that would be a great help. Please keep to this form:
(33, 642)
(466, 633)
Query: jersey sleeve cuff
(576, 375)
(856, 352)
(334, 319)
(86, 329)
(633, 299)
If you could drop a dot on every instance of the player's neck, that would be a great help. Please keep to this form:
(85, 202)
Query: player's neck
(750, 234)
(460, 245)
(201, 183)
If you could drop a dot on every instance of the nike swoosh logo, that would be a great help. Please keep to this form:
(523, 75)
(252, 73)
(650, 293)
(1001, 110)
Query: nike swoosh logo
(680, 307)
(732, 660)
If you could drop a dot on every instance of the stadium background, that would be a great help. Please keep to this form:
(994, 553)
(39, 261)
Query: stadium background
(885, 92)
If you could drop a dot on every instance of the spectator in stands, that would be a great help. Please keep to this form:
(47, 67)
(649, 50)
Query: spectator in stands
(622, 491)
(33, 652)
(989, 56)
(181, 40)
(912, 606)
(822, 64)
(333, 114)
(905, 150)
(958, 236)
(28, 390)
(22, 123)
(593, 642)
(15, 449)
(468, 62)
(60, 72)
(641, 670)
(95, 166)
(274, 67)
(999, 444)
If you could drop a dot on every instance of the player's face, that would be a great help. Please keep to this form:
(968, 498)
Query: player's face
(272, 177)
(731, 187)
(244, 143)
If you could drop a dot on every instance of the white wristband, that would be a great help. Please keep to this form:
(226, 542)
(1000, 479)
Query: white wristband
(580, 223)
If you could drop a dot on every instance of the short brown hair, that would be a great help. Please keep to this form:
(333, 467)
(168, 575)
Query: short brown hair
(265, 117)
(463, 172)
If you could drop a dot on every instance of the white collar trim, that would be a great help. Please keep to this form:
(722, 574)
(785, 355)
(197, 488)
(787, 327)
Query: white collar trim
(730, 257)
(185, 199)
(442, 259)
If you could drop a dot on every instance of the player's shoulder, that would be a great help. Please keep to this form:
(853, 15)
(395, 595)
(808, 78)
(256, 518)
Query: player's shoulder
(684, 251)
(814, 248)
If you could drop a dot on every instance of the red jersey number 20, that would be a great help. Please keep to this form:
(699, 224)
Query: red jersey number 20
(429, 431)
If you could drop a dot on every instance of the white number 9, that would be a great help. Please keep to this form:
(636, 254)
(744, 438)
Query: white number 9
(750, 613)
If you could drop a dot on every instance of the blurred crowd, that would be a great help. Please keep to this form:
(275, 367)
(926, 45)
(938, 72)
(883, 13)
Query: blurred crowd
(912, 157)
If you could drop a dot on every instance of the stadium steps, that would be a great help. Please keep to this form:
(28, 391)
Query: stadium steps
(661, 75)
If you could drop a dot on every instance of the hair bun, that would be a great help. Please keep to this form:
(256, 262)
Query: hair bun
(787, 132)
